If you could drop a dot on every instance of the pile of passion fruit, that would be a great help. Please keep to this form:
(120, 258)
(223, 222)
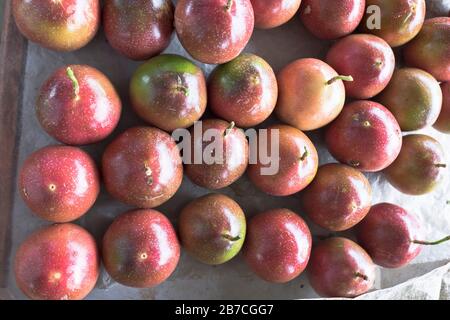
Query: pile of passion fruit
(357, 95)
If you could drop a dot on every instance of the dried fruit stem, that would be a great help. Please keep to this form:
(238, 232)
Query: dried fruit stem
(441, 165)
(304, 155)
(231, 238)
(354, 163)
(343, 78)
(410, 14)
(431, 243)
(229, 4)
(360, 275)
(181, 87)
(378, 63)
(148, 173)
(230, 127)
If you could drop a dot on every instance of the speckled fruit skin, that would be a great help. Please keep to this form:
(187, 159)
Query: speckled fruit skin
(138, 29)
(331, 19)
(278, 245)
(214, 31)
(443, 122)
(306, 100)
(387, 233)
(63, 25)
(212, 228)
(274, 13)
(420, 167)
(169, 92)
(414, 98)
(298, 163)
(235, 156)
(338, 198)
(243, 90)
(339, 267)
(401, 20)
(365, 136)
(78, 118)
(59, 183)
(142, 167)
(57, 262)
(430, 50)
(368, 59)
(140, 249)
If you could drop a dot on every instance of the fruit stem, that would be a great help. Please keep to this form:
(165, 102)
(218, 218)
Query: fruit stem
(148, 173)
(231, 238)
(255, 80)
(143, 256)
(431, 243)
(448, 201)
(304, 155)
(354, 163)
(378, 63)
(230, 127)
(75, 84)
(184, 90)
(360, 275)
(410, 14)
(343, 78)
(441, 165)
(228, 6)
(181, 87)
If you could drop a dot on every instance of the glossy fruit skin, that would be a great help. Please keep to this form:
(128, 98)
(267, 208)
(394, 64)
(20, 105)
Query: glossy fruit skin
(306, 100)
(333, 268)
(57, 262)
(64, 25)
(338, 198)
(243, 90)
(443, 122)
(205, 221)
(274, 13)
(278, 245)
(142, 167)
(140, 249)
(414, 97)
(294, 173)
(387, 233)
(420, 166)
(210, 32)
(430, 50)
(59, 183)
(235, 155)
(169, 91)
(368, 59)
(138, 29)
(78, 118)
(330, 19)
(365, 136)
(401, 20)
